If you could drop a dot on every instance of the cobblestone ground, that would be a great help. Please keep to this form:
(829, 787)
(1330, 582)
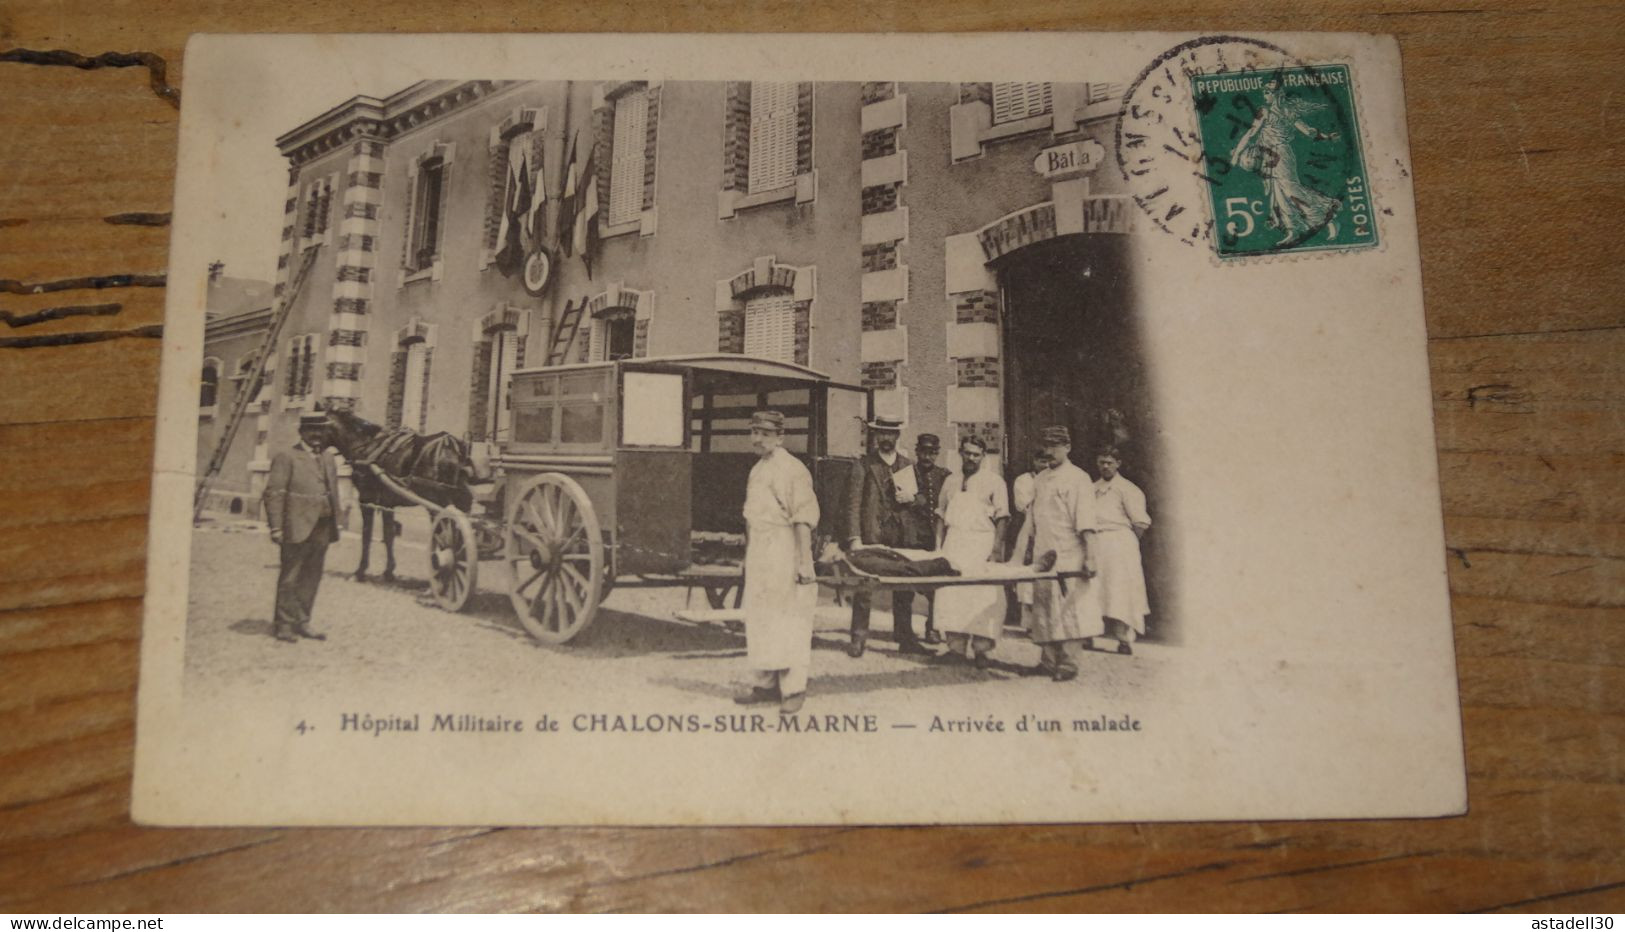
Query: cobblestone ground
(636, 655)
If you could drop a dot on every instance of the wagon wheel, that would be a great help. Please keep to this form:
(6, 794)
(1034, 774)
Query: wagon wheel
(454, 559)
(554, 548)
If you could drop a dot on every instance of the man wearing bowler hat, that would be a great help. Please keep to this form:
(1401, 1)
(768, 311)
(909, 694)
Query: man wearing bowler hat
(876, 496)
(302, 506)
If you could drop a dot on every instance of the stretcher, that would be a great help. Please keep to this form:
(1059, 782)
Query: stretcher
(845, 579)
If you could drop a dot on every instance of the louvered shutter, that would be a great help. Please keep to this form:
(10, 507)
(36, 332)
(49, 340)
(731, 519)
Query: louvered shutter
(412, 393)
(1100, 91)
(307, 371)
(770, 328)
(626, 157)
(1014, 100)
(772, 135)
(504, 359)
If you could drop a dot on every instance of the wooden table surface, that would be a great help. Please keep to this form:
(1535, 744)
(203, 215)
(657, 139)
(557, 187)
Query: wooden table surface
(1516, 121)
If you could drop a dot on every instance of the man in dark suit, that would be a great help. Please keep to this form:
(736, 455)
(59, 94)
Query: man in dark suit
(302, 507)
(874, 514)
(920, 519)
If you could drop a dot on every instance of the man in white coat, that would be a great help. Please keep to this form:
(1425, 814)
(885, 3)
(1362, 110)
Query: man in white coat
(975, 506)
(781, 593)
(1122, 521)
(1065, 611)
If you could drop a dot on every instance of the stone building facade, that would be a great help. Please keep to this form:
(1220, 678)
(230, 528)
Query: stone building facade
(959, 248)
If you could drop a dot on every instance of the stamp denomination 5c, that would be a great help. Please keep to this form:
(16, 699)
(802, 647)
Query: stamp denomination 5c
(1283, 160)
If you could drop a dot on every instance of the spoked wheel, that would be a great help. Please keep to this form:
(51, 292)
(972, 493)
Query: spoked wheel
(454, 560)
(555, 549)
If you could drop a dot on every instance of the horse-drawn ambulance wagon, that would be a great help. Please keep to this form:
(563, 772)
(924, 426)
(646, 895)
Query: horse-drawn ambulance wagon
(632, 474)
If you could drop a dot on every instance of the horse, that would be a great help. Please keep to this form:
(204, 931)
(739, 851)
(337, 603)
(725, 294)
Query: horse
(435, 467)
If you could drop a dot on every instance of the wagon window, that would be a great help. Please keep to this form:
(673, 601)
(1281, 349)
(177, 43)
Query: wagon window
(845, 413)
(536, 388)
(721, 421)
(652, 409)
(589, 384)
(581, 423)
(533, 424)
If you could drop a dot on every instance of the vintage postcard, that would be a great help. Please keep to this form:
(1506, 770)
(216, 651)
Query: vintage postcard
(771, 429)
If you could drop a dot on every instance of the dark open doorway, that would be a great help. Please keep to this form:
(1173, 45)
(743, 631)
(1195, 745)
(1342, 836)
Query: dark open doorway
(1074, 354)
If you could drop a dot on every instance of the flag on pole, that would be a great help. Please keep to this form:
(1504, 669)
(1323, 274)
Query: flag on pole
(523, 197)
(586, 219)
(569, 202)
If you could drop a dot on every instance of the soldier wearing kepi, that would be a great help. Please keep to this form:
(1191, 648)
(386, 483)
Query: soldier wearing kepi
(921, 520)
(1065, 611)
(302, 507)
(781, 592)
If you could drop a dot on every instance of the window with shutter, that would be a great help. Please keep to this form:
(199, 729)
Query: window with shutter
(772, 135)
(620, 336)
(426, 207)
(211, 386)
(301, 369)
(1102, 91)
(504, 358)
(626, 157)
(1015, 100)
(770, 327)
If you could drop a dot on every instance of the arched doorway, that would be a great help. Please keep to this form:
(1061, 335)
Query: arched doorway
(1074, 352)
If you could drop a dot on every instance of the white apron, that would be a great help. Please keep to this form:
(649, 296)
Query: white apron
(1064, 504)
(1023, 501)
(969, 515)
(1119, 505)
(1122, 578)
(778, 611)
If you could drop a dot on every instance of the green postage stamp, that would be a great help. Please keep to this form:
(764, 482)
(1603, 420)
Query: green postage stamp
(1283, 161)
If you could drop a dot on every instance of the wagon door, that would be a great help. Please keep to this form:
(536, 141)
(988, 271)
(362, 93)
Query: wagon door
(841, 419)
(653, 471)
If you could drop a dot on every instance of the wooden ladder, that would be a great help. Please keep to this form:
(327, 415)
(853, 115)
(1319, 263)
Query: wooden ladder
(251, 382)
(564, 332)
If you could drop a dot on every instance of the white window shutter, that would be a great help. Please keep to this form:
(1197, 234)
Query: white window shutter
(504, 359)
(412, 394)
(1016, 100)
(626, 157)
(772, 135)
(770, 328)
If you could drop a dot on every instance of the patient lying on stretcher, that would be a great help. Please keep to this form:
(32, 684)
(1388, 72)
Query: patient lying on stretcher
(899, 562)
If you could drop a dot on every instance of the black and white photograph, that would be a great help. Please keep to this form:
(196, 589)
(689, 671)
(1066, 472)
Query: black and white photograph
(793, 429)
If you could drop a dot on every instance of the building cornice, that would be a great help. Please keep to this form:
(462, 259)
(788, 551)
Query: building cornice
(365, 117)
(220, 328)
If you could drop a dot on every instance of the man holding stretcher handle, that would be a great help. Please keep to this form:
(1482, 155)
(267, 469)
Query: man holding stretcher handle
(880, 490)
(781, 592)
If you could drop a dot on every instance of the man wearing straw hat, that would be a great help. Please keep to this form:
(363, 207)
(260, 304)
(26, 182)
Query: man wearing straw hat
(781, 593)
(302, 506)
(880, 489)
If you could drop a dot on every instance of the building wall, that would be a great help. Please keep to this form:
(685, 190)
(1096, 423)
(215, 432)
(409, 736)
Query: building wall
(311, 309)
(947, 197)
(463, 292)
(235, 476)
(693, 248)
(892, 187)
